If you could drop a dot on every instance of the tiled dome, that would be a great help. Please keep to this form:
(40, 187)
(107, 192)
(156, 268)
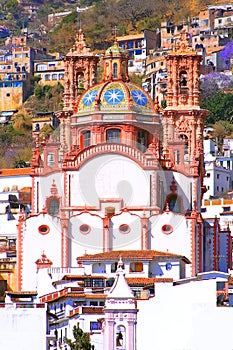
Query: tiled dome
(116, 96)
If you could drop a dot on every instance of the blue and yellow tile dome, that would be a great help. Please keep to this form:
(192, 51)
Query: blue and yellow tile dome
(116, 96)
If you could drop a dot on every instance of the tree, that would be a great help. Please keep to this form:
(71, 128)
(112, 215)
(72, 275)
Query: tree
(226, 53)
(81, 340)
(220, 107)
(213, 83)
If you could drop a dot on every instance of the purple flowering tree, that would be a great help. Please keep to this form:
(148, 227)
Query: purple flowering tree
(213, 83)
(226, 53)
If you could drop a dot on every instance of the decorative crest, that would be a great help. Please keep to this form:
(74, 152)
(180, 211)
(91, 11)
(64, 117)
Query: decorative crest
(183, 44)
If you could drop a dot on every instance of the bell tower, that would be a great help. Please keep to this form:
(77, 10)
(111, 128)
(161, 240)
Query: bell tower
(183, 119)
(80, 71)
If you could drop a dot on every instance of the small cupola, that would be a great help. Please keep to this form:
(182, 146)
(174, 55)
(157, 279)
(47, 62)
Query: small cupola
(115, 63)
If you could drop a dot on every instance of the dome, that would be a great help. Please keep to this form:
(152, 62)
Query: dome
(115, 50)
(116, 96)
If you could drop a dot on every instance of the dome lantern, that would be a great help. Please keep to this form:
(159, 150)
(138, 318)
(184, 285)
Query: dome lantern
(115, 63)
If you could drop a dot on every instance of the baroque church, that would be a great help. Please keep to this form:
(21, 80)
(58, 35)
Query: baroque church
(123, 174)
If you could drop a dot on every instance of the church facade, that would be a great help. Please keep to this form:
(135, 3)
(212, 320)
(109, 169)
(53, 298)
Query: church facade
(122, 174)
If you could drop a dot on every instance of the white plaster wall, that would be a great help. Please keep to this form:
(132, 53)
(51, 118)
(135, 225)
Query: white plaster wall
(184, 317)
(183, 186)
(126, 241)
(177, 242)
(8, 227)
(23, 329)
(90, 243)
(110, 176)
(20, 181)
(34, 244)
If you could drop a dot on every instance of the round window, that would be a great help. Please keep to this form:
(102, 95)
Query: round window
(43, 229)
(124, 228)
(84, 229)
(167, 229)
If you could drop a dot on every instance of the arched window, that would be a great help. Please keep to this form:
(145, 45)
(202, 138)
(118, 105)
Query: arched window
(80, 83)
(184, 138)
(177, 157)
(183, 82)
(53, 207)
(113, 135)
(120, 337)
(115, 70)
(142, 140)
(85, 139)
(174, 202)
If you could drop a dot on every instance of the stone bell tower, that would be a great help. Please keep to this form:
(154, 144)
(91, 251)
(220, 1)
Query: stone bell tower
(183, 119)
(80, 74)
(80, 71)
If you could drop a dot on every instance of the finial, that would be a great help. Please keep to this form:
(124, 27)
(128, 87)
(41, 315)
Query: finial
(115, 33)
(120, 264)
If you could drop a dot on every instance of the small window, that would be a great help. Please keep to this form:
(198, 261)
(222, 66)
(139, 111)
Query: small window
(124, 228)
(225, 209)
(167, 229)
(54, 207)
(168, 266)
(43, 229)
(217, 176)
(84, 229)
(207, 174)
(95, 326)
(115, 70)
(51, 159)
(113, 135)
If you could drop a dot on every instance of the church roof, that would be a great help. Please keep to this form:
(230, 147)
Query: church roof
(116, 96)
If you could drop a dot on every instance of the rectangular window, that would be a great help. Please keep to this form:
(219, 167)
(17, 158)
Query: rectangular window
(225, 209)
(51, 159)
(95, 326)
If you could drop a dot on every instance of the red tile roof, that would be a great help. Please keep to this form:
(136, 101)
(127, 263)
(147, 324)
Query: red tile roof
(15, 172)
(146, 281)
(129, 255)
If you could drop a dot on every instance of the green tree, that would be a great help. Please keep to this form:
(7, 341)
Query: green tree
(220, 107)
(81, 340)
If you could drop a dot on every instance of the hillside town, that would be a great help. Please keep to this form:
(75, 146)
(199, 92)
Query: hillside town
(122, 222)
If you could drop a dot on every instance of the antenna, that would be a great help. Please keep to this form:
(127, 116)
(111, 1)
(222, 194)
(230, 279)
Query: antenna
(78, 17)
